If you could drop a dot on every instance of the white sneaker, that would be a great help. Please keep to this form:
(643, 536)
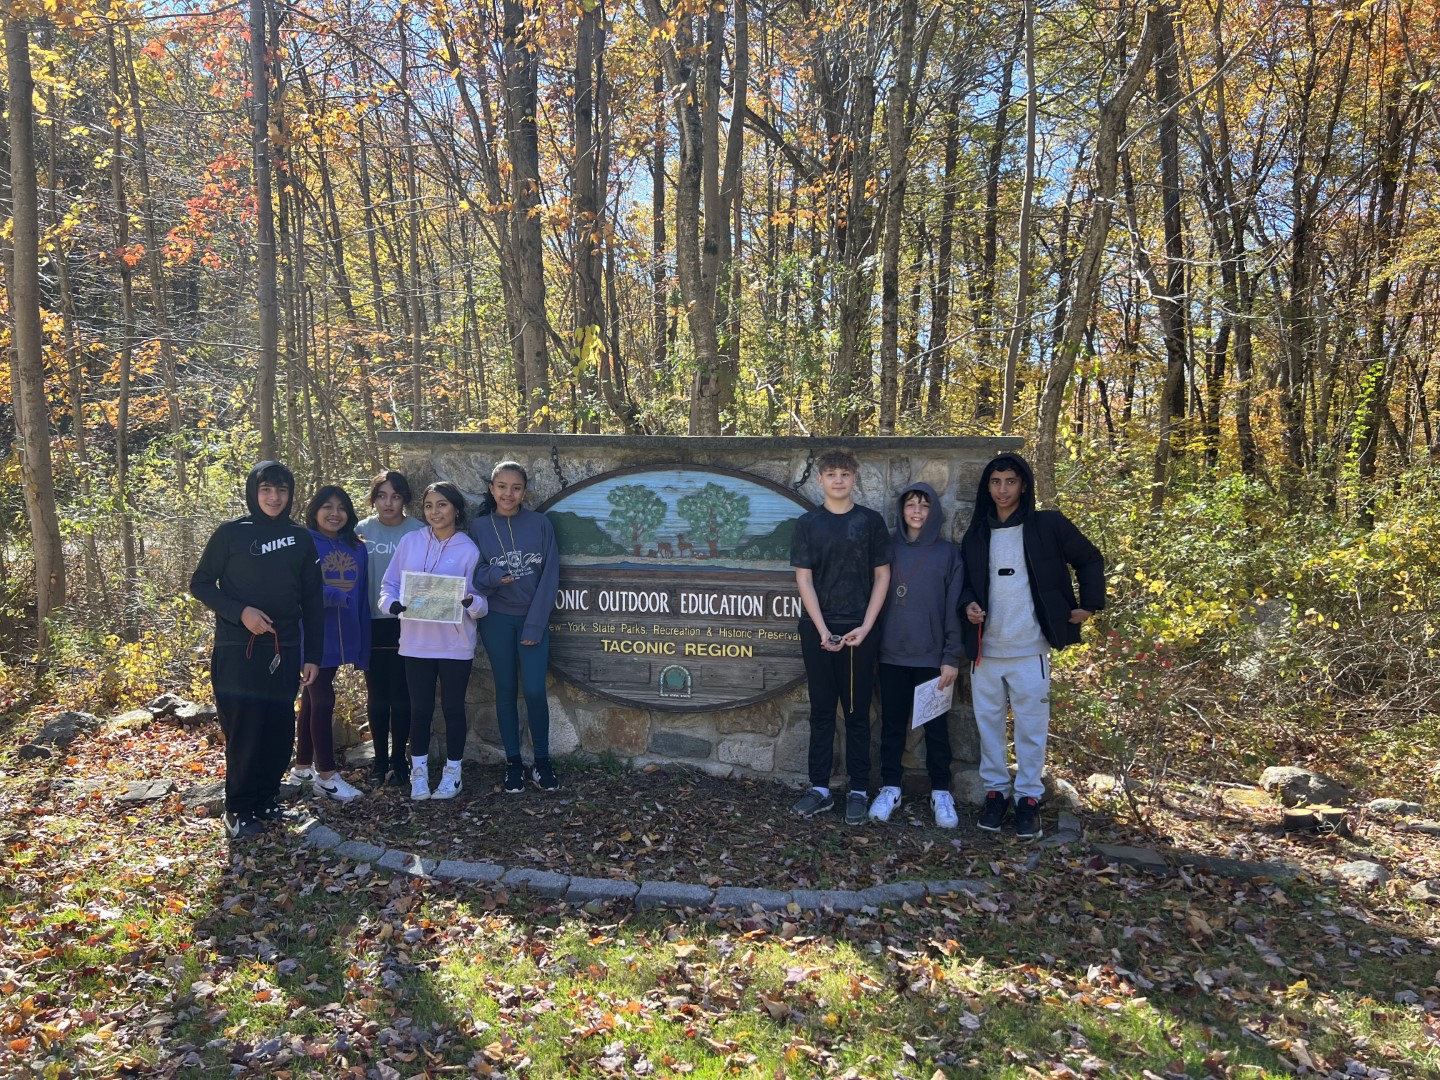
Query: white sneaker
(419, 784)
(300, 774)
(449, 785)
(943, 803)
(885, 804)
(337, 788)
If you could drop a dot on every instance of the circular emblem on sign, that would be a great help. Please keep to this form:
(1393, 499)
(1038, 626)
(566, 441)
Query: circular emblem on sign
(675, 681)
(676, 590)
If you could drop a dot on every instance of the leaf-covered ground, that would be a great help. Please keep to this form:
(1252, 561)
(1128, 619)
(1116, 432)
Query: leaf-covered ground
(137, 941)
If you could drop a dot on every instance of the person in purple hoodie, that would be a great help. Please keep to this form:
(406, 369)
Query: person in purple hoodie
(331, 519)
(436, 650)
(920, 640)
(519, 573)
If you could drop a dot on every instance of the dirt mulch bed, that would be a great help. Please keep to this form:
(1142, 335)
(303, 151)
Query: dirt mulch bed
(670, 824)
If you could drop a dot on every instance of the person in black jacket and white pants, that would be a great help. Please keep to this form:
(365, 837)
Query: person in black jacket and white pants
(1019, 603)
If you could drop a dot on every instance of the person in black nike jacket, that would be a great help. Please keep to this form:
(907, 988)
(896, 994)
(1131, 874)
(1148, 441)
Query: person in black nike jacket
(261, 576)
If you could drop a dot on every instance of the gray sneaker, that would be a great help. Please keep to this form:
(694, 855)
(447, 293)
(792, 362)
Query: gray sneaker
(857, 805)
(813, 802)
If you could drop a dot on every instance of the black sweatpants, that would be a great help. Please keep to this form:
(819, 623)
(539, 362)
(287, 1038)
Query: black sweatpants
(897, 698)
(389, 695)
(454, 676)
(256, 710)
(845, 678)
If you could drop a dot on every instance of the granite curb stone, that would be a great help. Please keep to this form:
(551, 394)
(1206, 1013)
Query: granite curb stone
(893, 895)
(406, 862)
(653, 894)
(822, 899)
(730, 896)
(540, 882)
(359, 850)
(462, 870)
(957, 886)
(320, 836)
(584, 890)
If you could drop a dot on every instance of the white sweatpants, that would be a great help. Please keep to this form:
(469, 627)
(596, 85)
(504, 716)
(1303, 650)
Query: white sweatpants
(1022, 684)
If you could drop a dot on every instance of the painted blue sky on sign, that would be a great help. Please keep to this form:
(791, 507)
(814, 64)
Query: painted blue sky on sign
(767, 508)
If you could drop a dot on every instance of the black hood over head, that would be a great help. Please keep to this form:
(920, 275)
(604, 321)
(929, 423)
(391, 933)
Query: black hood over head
(930, 531)
(985, 505)
(268, 472)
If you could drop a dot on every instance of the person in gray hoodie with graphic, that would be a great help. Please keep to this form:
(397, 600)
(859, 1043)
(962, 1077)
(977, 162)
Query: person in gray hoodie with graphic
(920, 640)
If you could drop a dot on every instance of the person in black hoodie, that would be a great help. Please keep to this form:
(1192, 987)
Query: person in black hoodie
(1019, 602)
(261, 576)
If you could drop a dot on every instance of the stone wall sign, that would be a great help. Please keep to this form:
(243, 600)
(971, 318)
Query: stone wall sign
(676, 591)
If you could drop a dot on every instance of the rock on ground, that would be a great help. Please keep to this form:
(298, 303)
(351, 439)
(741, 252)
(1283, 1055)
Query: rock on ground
(1296, 785)
(1394, 808)
(1362, 874)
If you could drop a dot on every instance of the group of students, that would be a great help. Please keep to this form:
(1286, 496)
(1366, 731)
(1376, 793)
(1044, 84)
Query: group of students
(1003, 597)
(294, 604)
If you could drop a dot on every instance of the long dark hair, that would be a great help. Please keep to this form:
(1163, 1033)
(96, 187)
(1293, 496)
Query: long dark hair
(452, 495)
(487, 501)
(321, 497)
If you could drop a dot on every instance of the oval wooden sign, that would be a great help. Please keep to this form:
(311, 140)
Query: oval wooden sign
(676, 590)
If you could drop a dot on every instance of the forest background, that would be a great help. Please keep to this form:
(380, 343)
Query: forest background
(1187, 250)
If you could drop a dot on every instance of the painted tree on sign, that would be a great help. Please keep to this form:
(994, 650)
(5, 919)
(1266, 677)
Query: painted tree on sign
(638, 513)
(716, 516)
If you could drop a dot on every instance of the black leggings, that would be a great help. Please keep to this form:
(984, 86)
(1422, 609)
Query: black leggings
(389, 698)
(454, 675)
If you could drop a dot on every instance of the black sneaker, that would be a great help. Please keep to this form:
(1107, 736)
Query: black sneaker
(514, 777)
(544, 775)
(399, 776)
(992, 816)
(857, 808)
(813, 802)
(241, 828)
(379, 770)
(1027, 819)
(270, 814)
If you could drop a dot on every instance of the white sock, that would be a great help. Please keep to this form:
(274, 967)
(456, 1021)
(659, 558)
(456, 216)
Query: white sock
(823, 791)
(419, 762)
(862, 794)
(452, 766)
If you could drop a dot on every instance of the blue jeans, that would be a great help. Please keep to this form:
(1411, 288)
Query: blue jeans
(501, 635)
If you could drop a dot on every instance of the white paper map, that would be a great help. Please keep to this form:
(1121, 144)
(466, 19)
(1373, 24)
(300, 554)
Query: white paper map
(432, 597)
(930, 702)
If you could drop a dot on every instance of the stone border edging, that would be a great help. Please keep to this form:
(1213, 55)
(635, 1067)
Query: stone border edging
(646, 894)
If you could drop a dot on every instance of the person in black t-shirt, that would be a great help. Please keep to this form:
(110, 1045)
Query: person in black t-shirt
(841, 555)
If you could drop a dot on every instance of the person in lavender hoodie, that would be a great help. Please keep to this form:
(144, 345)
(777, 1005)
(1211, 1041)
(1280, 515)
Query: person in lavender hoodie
(444, 651)
(331, 518)
(519, 574)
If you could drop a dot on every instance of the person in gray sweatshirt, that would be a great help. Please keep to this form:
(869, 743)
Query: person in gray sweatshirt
(920, 640)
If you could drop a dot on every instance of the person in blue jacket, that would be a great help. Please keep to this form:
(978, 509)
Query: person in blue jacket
(519, 574)
(331, 519)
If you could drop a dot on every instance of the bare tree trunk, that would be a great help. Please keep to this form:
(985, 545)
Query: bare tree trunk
(265, 260)
(27, 369)
(939, 341)
(897, 138)
(659, 287)
(1087, 271)
(523, 140)
(412, 235)
(130, 583)
(1027, 198)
